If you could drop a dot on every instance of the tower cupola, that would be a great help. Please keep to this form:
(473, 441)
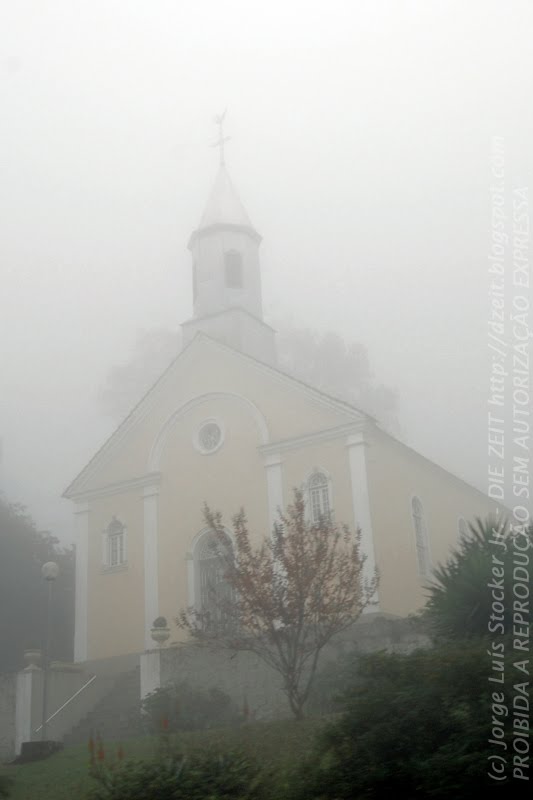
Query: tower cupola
(226, 272)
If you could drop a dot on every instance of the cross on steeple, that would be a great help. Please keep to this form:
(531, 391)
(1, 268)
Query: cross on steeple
(219, 120)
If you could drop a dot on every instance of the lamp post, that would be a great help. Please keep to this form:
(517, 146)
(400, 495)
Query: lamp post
(49, 571)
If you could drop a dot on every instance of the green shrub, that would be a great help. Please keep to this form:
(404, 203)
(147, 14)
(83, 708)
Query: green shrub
(416, 726)
(5, 785)
(459, 605)
(332, 681)
(181, 708)
(177, 777)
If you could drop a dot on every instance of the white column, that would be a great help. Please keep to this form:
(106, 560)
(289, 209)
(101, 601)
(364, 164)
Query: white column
(151, 567)
(150, 672)
(82, 574)
(23, 707)
(361, 504)
(274, 487)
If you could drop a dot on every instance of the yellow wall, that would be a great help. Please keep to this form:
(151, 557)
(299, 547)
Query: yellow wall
(331, 456)
(205, 368)
(235, 475)
(232, 477)
(396, 474)
(115, 600)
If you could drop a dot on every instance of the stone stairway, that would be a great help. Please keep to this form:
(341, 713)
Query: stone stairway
(115, 717)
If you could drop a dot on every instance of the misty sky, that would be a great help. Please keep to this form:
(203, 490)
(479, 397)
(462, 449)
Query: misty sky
(360, 141)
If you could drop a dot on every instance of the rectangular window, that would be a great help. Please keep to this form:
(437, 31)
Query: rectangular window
(421, 538)
(233, 267)
(116, 549)
(319, 503)
(114, 545)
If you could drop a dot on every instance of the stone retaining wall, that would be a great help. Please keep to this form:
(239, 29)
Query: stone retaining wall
(246, 678)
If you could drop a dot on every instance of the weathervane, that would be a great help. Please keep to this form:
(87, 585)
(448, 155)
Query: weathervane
(219, 120)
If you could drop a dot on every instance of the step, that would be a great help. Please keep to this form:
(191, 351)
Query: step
(116, 716)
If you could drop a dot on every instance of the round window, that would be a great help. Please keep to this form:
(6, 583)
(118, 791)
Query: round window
(209, 437)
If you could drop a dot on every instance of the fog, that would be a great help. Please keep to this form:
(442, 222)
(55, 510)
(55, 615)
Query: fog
(360, 146)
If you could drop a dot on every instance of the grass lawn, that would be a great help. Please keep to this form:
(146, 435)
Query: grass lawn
(275, 746)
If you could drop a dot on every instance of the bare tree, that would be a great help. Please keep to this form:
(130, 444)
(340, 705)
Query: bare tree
(288, 596)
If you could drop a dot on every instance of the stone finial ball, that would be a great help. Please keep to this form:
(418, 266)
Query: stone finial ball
(50, 571)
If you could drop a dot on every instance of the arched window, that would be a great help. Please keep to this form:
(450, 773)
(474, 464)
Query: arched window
(462, 528)
(421, 537)
(318, 497)
(114, 544)
(212, 590)
(233, 269)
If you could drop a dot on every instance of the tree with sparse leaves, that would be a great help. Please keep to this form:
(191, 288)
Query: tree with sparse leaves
(429, 723)
(288, 596)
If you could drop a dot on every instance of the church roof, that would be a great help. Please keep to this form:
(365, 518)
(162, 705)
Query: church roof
(329, 400)
(224, 205)
(77, 487)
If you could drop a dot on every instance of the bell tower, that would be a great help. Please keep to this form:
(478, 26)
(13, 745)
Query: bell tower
(226, 272)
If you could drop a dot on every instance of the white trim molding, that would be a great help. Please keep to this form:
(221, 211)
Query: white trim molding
(356, 446)
(81, 513)
(151, 564)
(274, 478)
(158, 446)
(318, 398)
(325, 435)
(121, 487)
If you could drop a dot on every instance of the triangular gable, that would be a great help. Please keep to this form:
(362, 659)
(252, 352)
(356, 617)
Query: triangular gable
(347, 412)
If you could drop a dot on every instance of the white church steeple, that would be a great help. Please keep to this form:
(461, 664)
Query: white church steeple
(226, 273)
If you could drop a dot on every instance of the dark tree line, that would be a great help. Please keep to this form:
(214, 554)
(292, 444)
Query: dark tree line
(23, 551)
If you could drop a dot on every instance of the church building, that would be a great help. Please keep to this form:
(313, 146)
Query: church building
(224, 425)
